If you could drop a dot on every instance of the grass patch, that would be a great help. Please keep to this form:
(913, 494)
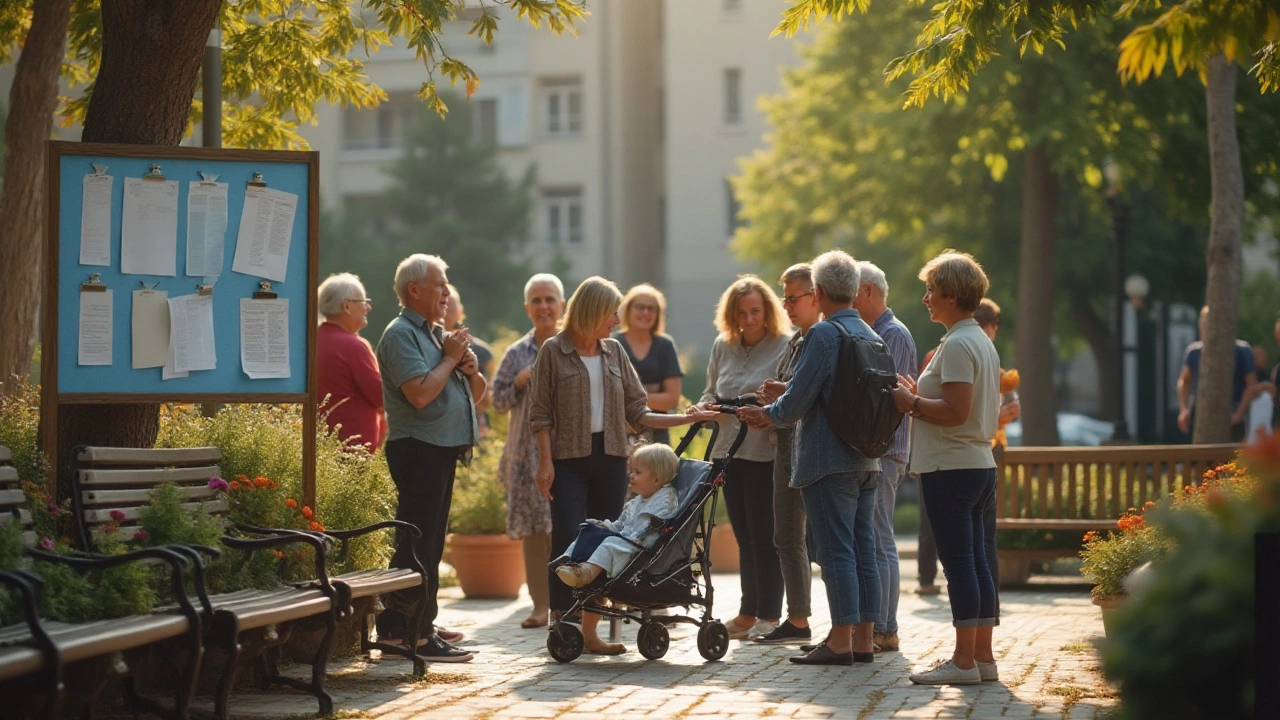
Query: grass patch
(874, 697)
(1080, 646)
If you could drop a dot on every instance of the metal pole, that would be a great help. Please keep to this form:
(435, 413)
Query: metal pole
(1119, 228)
(211, 82)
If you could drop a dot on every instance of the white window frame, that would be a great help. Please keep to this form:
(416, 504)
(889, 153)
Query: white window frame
(566, 207)
(558, 118)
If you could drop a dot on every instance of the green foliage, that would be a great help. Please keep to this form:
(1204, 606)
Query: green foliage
(1259, 302)
(20, 431)
(1206, 582)
(479, 501)
(166, 522)
(10, 543)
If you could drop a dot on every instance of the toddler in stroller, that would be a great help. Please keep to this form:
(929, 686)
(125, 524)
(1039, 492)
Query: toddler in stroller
(606, 546)
(668, 567)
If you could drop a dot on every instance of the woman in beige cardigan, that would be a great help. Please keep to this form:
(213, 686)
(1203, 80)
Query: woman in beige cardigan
(585, 395)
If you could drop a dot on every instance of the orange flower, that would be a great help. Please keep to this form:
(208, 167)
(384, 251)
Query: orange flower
(235, 484)
(279, 555)
(307, 512)
(316, 526)
(1148, 505)
(261, 482)
(1090, 536)
(291, 503)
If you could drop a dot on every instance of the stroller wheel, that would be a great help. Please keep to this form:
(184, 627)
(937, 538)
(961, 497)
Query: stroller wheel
(713, 640)
(564, 642)
(653, 640)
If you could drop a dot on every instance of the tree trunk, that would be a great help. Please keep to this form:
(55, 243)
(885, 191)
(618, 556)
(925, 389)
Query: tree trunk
(1226, 232)
(32, 100)
(151, 56)
(1097, 333)
(1040, 189)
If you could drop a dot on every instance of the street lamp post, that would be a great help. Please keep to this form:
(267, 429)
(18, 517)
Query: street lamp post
(1120, 231)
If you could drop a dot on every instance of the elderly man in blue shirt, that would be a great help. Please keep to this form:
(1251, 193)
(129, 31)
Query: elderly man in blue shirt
(430, 380)
(872, 304)
(838, 483)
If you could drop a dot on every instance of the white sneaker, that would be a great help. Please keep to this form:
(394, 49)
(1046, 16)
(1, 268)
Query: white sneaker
(988, 671)
(946, 673)
(761, 628)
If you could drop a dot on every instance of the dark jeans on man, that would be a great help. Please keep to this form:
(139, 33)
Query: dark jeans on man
(748, 496)
(926, 551)
(595, 487)
(961, 504)
(423, 474)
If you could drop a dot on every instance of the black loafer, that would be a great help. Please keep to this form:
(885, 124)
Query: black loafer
(785, 633)
(822, 655)
(808, 648)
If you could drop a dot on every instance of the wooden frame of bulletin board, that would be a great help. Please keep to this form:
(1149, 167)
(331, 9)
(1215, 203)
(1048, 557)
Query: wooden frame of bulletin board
(64, 381)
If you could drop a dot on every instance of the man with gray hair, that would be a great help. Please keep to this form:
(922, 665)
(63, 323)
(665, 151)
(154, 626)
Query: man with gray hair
(838, 483)
(430, 380)
(871, 303)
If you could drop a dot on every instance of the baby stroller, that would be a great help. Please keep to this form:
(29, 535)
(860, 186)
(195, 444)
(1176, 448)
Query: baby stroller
(674, 572)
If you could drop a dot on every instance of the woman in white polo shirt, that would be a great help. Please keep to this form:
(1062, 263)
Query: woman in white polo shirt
(955, 404)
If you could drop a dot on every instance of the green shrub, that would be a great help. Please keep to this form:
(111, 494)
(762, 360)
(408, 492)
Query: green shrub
(20, 431)
(906, 519)
(479, 501)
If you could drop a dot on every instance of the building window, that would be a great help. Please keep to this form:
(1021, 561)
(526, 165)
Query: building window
(732, 96)
(732, 7)
(733, 209)
(561, 107)
(562, 213)
(382, 127)
(484, 121)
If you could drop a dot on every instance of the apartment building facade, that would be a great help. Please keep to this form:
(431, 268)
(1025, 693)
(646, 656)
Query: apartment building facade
(634, 126)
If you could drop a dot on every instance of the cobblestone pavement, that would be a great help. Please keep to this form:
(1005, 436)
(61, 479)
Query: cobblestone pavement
(1048, 668)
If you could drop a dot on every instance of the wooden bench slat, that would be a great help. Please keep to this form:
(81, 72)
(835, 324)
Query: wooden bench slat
(6, 455)
(1053, 524)
(79, 641)
(378, 582)
(11, 497)
(141, 496)
(148, 477)
(8, 473)
(148, 457)
(99, 517)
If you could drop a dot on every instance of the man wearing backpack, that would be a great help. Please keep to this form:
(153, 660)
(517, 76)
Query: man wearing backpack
(838, 483)
(871, 304)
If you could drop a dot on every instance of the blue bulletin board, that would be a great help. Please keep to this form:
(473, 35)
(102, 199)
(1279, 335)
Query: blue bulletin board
(291, 172)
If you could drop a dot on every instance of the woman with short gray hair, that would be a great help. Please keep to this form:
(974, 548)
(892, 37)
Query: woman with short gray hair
(347, 377)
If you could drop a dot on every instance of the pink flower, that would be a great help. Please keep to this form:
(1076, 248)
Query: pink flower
(141, 536)
(218, 484)
(117, 515)
(46, 544)
(51, 508)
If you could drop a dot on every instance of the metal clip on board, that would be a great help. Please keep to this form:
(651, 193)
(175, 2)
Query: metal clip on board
(264, 291)
(208, 178)
(93, 284)
(257, 181)
(204, 289)
(153, 173)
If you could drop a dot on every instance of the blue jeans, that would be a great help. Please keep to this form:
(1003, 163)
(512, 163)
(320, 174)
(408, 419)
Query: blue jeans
(961, 504)
(891, 474)
(840, 507)
(594, 486)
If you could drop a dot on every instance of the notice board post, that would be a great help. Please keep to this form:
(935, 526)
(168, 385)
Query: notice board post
(102, 284)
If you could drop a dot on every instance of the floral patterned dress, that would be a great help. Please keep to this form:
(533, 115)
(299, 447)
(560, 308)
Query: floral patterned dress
(528, 512)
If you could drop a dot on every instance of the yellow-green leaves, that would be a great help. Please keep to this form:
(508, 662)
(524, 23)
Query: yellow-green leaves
(797, 17)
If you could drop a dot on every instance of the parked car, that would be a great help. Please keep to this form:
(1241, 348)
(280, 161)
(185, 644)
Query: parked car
(1073, 429)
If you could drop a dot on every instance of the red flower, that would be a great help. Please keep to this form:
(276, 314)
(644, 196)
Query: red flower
(316, 526)
(290, 503)
(261, 482)
(235, 484)
(307, 512)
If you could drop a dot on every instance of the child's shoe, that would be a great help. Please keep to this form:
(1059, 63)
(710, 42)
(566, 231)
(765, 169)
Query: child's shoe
(574, 576)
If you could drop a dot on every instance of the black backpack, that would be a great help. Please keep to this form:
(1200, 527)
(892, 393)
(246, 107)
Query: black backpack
(862, 412)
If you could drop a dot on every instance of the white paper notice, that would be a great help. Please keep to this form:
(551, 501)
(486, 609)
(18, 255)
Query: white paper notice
(95, 221)
(169, 373)
(150, 328)
(266, 228)
(191, 333)
(95, 328)
(206, 228)
(264, 338)
(149, 227)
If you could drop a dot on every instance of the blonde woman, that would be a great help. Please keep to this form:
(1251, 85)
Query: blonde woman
(754, 333)
(652, 352)
(956, 403)
(585, 394)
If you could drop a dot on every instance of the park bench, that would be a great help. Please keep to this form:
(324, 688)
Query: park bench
(36, 653)
(1076, 489)
(251, 625)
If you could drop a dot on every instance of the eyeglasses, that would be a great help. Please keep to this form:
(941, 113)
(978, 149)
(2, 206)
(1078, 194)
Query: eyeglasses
(644, 308)
(367, 302)
(793, 299)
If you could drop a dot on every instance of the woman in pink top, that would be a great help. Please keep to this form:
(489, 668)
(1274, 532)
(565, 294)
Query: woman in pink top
(350, 387)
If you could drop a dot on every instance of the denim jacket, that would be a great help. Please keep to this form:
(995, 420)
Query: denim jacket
(818, 451)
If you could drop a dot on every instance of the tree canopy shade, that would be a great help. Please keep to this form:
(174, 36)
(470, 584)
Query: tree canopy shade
(134, 66)
(962, 36)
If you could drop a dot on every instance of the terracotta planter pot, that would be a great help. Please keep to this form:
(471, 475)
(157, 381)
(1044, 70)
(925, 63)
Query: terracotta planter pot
(488, 566)
(724, 549)
(1109, 605)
